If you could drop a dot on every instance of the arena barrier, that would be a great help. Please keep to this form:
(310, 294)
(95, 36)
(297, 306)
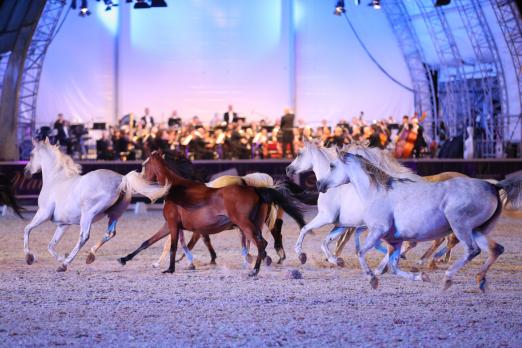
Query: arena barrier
(28, 188)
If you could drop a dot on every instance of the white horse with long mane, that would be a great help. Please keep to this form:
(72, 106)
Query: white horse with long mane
(68, 198)
(398, 209)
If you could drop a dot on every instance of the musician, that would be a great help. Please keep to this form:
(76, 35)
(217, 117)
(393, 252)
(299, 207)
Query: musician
(104, 149)
(230, 115)
(62, 128)
(287, 128)
(147, 120)
(405, 124)
(420, 142)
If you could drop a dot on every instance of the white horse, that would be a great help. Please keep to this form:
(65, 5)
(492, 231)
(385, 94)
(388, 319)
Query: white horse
(340, 206)
(68, 198)
(398, 209)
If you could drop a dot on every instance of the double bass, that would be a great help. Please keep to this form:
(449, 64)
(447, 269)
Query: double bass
(407, 138)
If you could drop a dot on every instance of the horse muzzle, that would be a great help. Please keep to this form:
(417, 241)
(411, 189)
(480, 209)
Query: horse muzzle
(290, 171)
(27, 174)
(321, 186)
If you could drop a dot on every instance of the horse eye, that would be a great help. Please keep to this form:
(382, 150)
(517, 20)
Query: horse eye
(332, 166)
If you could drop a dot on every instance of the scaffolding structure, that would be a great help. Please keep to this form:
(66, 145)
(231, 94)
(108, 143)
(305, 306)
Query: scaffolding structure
(33, 65)
(510, 22)
(421, 78)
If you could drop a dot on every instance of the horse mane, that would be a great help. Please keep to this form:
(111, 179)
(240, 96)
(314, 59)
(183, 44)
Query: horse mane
(64, 162)
(383, 161)
(258, 180)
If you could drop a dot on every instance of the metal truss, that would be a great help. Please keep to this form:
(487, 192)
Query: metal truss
(486, 81)
(453, 96)
(33, 65)
(4, 58)
(510, 21)
(409, 43)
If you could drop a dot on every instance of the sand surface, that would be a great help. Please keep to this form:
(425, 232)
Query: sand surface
(106, 304)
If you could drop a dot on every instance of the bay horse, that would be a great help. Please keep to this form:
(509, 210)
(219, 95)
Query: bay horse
(7, 196)
(69, 198)
(399, 209)
(190, 205)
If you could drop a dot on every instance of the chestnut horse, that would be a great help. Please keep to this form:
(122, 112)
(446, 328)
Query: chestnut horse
(190, 205)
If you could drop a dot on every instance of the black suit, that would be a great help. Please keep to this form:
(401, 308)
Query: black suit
(228, 115)
(287, 128)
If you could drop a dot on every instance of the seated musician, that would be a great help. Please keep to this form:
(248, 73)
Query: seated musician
(273, 147)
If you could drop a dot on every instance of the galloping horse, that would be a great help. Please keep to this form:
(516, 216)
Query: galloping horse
(333, 205)
(190, 205)
(7, 196)
(273, 221)
(398, 209)
(68, 198)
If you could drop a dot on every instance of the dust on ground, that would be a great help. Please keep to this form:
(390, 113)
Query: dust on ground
(135, 305)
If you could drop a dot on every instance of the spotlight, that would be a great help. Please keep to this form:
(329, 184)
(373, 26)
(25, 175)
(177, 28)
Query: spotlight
(141, 4)
(339, 8)
(442, 2)
(376, 4)
(74, 5)
(84, 10)
(158, 3)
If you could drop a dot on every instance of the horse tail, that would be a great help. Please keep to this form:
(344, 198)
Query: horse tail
(289, 204)
(134, 182)
(302, 195)
(8, 198)
(512, 189)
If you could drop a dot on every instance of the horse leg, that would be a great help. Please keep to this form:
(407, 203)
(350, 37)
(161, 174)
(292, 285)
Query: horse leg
(409, 245)
(471, 251)
(452, 242)
(186, 251)
(494, 251)
(335, 233)
(278, 237)
(58, 234)
(166, 247)
(157, 236)
(85, 229)
(394, 265)
(213, 255)
(318, 221)
(174, 234)
(40, 217)
(373, 237)
(434, 245)
(343, 239)
(109, 234)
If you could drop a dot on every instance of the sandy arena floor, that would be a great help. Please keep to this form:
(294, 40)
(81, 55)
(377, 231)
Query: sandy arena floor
(111, 305)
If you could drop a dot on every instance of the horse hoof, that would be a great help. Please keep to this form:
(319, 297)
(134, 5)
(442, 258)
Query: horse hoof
(425, 277)
(374, 282)
(168, 271)
(302, 258)
(249, 258)
(90, 258)
(29, 258)
(340, 262)
(447, 284)
(62, 268)
(191, 267)
(414, 270)
(122, 261)
(253, 273)
(481, 280)
(213, 262)
(155, 265)
(268, 260)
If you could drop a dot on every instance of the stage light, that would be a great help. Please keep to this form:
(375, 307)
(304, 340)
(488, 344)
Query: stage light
(442, 2)
(84, 10)
(376, 4)
(74, 5)
(158, 3)
(141, 4)
(339, 8)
